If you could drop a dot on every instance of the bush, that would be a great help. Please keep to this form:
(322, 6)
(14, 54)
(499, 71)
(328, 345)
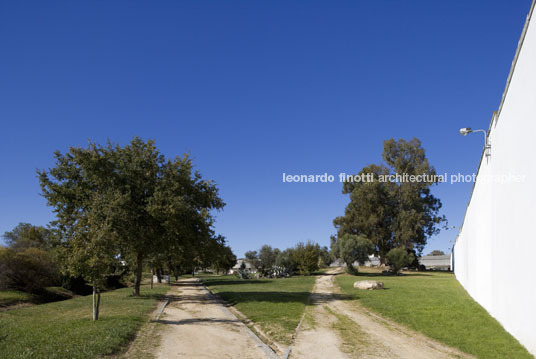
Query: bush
(29, 270)
(353, 248)
(305, 256)
(399, 258)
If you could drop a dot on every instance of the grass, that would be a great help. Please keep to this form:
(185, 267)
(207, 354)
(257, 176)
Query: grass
(436, 304)
(276, 305)
(65, 329)
(11, 297)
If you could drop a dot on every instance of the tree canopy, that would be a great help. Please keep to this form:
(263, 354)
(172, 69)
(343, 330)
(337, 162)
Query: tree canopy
(131, 204)
(393, 213)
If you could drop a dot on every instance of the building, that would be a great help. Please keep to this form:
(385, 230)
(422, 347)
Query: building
(441, 262)
(499, 219)
(250, 268)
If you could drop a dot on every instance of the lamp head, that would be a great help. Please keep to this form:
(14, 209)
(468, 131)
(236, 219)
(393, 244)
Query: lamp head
(464, 131)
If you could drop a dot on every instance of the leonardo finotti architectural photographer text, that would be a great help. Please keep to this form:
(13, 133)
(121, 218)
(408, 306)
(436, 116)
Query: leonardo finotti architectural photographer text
(401, 178)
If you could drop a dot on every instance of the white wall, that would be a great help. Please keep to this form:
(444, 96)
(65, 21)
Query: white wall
(495, 252)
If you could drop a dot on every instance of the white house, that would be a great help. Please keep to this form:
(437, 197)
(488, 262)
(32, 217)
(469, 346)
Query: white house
(499, 219)
(250, 268)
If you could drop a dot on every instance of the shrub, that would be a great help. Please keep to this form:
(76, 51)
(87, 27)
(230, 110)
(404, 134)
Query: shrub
(305, 256)
(399, 258)
(353, 248)
(29, 270)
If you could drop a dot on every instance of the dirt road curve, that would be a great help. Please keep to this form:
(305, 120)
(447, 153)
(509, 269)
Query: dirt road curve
(372, 336)
(196, 326)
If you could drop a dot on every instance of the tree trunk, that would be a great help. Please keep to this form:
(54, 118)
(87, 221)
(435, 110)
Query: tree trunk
(139, 269)
(152, 275)
(96, 301)
(159, 275)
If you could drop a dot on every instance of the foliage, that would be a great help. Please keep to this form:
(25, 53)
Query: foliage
(305, 257)
(29, 270)
(129, 203)
(325, 257)
(267, 257)
(399, 258)
(25, 235)
(390, 213)
(284, 260)
(436, 252)
(353, 248)
(436, 305)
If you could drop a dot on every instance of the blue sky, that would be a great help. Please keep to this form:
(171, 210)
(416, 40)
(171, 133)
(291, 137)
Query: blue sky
(253, 89)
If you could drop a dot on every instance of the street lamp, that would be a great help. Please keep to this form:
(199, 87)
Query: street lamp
(487, 146)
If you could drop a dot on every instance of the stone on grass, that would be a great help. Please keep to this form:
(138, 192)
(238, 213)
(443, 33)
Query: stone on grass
(368, 284)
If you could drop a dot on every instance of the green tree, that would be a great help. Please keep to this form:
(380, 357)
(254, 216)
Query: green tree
(390, 213)
(267, 257)
(284, 259)
(305, 257)
(399, 258)
(325, 257)
(152, 204)
(354, 248)
(25, 235)
(436, 252)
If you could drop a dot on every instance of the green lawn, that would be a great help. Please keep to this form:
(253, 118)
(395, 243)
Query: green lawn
(10, 297)
(65, 329)
(437, 305)
(275, 304)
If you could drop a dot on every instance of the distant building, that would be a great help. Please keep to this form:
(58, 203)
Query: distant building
(373, 261)
(441, 262)
(250, 268)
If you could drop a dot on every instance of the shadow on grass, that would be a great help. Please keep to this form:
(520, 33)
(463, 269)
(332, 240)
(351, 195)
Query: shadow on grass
(197, 321)
(233, 298)
(379, 275)
(237, 281)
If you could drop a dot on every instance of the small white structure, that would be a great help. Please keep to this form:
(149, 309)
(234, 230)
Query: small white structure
(249, 267)
(164, 278)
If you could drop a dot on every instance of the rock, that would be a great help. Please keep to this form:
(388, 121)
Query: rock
(368, 284)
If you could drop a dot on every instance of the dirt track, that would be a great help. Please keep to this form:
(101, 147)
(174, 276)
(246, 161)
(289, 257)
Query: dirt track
(197, 326)
(377, 337)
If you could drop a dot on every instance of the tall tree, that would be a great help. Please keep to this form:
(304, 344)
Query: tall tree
(394, 213)
(153, 205)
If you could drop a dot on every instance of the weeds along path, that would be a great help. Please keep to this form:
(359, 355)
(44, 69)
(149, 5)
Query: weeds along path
(198, 326)
(335, 326)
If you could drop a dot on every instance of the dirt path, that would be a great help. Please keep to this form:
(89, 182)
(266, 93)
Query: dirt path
(197, 326)
(337, 328)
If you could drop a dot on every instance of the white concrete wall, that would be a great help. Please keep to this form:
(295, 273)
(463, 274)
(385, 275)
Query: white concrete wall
(495, 252)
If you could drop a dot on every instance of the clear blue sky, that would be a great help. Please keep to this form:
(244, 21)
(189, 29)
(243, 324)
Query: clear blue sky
(253, 89)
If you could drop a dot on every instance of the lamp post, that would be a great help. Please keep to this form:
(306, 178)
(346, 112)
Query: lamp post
(487, 146)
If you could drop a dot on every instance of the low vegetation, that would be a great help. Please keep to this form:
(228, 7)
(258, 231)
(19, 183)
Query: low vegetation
(11, 297)
(437, 305)
(276, 305)
(65, 330)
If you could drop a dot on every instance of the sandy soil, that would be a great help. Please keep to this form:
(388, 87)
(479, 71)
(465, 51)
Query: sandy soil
(197, 326)
(379, 338)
